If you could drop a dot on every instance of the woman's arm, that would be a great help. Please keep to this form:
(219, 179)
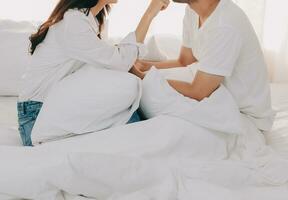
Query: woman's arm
(80, 42)
(152, 11)
(143, 26)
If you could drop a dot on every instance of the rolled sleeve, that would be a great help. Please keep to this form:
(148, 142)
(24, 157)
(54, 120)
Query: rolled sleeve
(80, 42)
(130, 39)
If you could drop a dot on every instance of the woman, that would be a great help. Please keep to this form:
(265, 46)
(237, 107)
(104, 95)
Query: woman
(70, 38)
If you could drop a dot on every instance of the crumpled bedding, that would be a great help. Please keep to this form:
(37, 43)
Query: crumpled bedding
(125, 164)
(166, 157)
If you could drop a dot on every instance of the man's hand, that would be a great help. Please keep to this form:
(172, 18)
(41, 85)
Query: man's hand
(135, 70)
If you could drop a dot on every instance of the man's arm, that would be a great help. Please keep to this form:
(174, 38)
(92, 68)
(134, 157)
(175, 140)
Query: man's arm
(185, 58)
(203, 85)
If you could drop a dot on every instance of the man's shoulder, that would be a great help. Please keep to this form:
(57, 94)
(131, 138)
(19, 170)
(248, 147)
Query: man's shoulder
(231, 15)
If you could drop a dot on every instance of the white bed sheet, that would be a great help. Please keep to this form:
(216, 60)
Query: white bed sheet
(278, 139)
(8, 122)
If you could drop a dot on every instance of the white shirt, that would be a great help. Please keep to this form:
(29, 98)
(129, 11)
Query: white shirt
(70, 44)
(227, 45)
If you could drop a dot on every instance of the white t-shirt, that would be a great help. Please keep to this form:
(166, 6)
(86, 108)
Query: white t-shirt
(227, 45)
(69, 45)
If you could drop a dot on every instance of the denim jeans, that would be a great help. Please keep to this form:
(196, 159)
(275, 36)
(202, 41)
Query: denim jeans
(134, 118)
(27, 115)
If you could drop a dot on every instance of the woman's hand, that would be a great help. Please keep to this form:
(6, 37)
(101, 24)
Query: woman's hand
(143, 65)
(106, 2)
(153, 9)
(100, 5)
(156, 6)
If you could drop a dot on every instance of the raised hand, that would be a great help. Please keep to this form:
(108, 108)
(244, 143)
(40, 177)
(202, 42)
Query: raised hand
(106, 2)
(157, 5)
(154, 8)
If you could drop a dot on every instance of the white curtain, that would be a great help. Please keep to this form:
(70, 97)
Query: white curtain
(269, 18)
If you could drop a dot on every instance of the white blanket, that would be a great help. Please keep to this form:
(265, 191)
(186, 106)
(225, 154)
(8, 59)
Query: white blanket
(138, 161)
(163, 158)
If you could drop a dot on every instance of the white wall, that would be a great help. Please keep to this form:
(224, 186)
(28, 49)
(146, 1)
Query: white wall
(124, 16)
(26, 9)
(127, 13)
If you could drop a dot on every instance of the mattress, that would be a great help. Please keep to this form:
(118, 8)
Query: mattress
(8, 122)
(277, 138)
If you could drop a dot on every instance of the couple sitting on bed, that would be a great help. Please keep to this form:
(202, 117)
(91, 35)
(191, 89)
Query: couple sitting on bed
(217, 36)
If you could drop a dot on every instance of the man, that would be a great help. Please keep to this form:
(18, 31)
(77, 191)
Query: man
(220, 40)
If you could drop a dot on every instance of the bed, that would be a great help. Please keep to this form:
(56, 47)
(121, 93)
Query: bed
(194, 188)
(62, 170)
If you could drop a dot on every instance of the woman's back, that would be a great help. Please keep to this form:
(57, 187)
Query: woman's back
(50, 63)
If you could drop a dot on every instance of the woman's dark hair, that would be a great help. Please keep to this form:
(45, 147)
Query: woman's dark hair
(58, 14)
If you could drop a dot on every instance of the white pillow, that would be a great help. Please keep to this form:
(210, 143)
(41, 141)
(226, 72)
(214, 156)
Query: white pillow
(158, 97)
(169, 45)
(89, 100)
(14, 56)
(219, 112)
(159, 47)
(154, 52)
(17, 25)
(185, 74)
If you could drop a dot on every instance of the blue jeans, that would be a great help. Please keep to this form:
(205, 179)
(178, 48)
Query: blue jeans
(28, 112)
(27, 115)
(134, 118)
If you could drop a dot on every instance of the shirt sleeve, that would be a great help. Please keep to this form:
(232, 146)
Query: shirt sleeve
(80, 42)
(220, 51)
(186, 33)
